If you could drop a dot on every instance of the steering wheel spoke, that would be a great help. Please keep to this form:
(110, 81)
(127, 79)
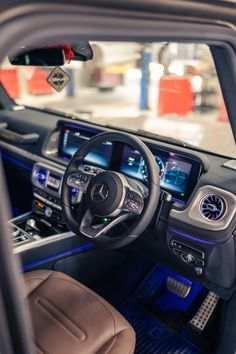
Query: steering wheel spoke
(79, 180)
(133, 202)
(88, 229)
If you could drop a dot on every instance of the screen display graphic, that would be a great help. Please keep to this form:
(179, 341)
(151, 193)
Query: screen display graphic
(73, 138)
(174, 171)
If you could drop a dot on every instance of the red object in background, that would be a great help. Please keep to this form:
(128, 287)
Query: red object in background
(37, 83)
(10, 81)
(223, 117)
(69, 54)
(175, 96)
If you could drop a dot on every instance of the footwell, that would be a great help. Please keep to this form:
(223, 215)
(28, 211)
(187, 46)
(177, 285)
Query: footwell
(148, 309)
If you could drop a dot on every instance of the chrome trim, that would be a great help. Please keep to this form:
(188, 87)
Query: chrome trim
(191, 215)
(52, 143)
(22, 216)
(11, 223)
(230, 164)
(18, 107)
(42, 199)
(37, 243)
(223, 203)
(201, 318)
(96, 232)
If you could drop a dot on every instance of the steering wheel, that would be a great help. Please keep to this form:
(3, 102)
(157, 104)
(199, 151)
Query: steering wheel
(110, 194)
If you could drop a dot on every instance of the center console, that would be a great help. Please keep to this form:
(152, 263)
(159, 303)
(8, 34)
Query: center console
(46, 192)
(45, 219)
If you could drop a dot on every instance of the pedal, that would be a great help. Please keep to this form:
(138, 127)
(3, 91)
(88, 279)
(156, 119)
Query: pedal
(179, 286)
(200, 320)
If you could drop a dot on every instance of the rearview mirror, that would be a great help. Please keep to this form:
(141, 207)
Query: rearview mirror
(53, 56)
(40, 57)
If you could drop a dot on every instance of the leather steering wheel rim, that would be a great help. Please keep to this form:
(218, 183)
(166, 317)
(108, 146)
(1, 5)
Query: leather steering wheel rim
(151, 201)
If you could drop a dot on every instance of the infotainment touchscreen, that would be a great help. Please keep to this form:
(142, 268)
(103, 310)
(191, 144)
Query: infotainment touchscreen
(73, 137)
(177, 173)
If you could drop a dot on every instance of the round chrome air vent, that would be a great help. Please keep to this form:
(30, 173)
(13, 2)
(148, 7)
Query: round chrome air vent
(212, 207)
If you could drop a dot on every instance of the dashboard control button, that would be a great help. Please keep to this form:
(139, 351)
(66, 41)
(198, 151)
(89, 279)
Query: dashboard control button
(54, 182)
(79, 180)
(188, 258)
(188, 249)
(48, 212)
(198, 270)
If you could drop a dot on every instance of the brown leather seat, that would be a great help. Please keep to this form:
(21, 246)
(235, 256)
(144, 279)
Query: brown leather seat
(69, 318)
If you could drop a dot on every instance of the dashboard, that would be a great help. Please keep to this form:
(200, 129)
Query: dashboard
(191, 237)
(178, 174)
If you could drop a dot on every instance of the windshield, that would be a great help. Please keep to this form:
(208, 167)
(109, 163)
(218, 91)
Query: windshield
(170, 89)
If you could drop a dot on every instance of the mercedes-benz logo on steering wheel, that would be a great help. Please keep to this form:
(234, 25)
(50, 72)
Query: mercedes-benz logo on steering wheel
(100, 192)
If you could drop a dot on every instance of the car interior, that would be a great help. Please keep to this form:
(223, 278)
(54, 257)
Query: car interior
(123, 223)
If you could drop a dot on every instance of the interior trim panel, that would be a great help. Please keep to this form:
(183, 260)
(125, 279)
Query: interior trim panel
(192, 215)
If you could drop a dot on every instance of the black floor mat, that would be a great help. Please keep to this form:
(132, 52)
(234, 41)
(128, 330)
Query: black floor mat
(153, 335)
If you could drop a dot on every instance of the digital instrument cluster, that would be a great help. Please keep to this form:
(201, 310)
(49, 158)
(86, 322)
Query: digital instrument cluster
(178, 174)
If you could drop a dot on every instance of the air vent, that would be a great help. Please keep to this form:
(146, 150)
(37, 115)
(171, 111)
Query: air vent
(40, 175)
(212, 207)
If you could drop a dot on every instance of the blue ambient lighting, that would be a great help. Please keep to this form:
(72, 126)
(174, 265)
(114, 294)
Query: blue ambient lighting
(16, 162)
(58, 255)
(40, 175)
(82, 128)
(179, 200)
(191, 237)
(165, 300)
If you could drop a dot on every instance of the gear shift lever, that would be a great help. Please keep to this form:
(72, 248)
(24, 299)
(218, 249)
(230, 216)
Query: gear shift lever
(31, 223)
